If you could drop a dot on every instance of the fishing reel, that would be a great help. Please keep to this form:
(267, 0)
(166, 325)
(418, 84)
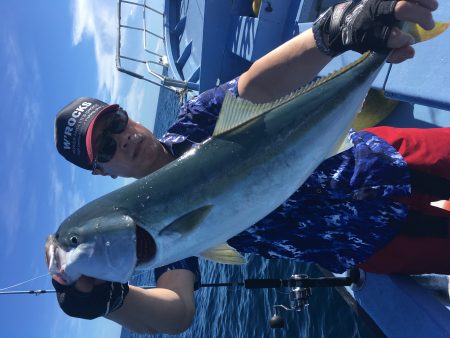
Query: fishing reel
(298, 301)
(301, 289)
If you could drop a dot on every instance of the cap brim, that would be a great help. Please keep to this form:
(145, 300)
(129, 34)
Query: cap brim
(89, 145)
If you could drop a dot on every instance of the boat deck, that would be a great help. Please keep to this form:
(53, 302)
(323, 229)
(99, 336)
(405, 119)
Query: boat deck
(210, 42)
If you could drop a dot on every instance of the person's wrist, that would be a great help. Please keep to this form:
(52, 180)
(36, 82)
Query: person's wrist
(320, 30)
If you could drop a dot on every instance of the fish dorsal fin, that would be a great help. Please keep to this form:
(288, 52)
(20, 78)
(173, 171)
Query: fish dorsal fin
(224, 254)
(187, 222)
(237, 111)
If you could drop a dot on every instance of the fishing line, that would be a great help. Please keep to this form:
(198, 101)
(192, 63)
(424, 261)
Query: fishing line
(47, 274)
(27, 281)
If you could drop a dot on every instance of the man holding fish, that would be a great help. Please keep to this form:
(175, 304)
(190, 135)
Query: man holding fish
(355, 209)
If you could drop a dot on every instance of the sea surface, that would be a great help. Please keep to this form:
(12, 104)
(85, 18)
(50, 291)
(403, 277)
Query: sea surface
(237, 312)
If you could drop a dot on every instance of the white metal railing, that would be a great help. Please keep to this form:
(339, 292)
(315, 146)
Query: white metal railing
(162, 60)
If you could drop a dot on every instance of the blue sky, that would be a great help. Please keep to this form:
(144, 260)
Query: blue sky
(52, 52)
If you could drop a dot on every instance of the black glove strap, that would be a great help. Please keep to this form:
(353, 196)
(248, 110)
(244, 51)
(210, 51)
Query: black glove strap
(358, 26)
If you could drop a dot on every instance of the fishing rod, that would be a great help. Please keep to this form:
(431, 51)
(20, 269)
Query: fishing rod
(300, 284)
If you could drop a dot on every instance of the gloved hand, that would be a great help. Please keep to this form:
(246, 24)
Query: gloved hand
(103, 299)
(358, 26)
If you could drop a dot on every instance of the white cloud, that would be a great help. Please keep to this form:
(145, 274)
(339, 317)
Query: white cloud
(128, 180)
(10, 211)
(139, 101)
(65, 326)
(24, 85)
(65, 197)
(98, 20)
(21, 109)
(13, 60)
(31, 111)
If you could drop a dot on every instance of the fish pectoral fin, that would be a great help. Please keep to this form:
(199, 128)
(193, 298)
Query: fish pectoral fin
(420, 34)
(224, 254)
(187, 222)
(343, 146)
(375, 109)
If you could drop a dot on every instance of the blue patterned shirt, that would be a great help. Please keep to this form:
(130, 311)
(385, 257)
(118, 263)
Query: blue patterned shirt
(338, 218)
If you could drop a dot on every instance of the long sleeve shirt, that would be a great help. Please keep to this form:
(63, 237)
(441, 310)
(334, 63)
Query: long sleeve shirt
(339, 217)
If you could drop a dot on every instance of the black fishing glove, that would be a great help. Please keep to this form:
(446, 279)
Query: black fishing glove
(103, 299)
(358, 26)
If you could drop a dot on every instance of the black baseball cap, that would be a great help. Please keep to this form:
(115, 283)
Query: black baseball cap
(74, 125)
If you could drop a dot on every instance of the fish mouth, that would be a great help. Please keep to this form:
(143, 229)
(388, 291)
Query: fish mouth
(145, 246)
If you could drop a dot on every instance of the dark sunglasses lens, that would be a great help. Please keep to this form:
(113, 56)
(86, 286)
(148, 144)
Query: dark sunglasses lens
(107, 149)
(119, 122)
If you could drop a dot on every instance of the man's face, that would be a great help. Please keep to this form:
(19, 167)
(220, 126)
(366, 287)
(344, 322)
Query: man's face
(137, 153)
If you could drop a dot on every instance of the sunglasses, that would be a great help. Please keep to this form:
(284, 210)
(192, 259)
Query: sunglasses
(116, 124)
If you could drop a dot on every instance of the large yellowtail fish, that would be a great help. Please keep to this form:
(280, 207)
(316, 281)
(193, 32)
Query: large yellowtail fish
(257, 157)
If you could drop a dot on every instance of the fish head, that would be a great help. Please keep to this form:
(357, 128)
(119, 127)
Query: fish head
(103, 247)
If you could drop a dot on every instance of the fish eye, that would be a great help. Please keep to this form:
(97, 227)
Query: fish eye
(74, 240)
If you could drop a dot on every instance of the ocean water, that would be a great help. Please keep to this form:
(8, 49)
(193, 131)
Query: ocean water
(240, 313)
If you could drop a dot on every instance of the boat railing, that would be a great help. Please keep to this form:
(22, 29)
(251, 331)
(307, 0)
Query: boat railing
(155, 58)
